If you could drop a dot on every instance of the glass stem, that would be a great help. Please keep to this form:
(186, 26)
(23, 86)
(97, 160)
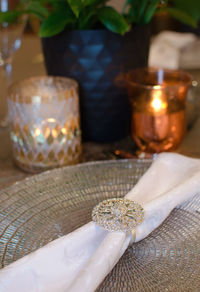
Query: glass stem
(8, 71)
(6, 79)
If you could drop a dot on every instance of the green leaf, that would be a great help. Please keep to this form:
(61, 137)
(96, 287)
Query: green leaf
(89, 2)
(10, 16)
(113, 20)
(75, 6)
(36, 8)
(136, 10)
(142, 9)
(191, 7)
(55, 23)
(150, 11)
(133, 4)
(101, 2)
(181, 16)
(87, 18)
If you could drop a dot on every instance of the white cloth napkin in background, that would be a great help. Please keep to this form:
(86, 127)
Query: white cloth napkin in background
(174, 50)
(80, 260)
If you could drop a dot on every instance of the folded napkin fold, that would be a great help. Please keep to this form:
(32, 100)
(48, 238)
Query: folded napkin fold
(80, 260)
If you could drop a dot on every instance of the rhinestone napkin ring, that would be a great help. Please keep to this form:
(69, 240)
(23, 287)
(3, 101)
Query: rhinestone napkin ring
(118, 214)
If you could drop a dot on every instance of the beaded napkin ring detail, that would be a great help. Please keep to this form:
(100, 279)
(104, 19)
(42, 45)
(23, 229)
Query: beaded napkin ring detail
(118, 214)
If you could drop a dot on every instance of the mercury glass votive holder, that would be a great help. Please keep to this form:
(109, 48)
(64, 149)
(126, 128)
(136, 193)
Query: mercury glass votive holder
(158, 99)
(44, 123)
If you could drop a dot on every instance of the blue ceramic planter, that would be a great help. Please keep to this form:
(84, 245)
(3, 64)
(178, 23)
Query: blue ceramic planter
(94, 58)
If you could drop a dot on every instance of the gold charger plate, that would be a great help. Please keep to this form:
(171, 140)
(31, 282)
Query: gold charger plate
(46, 206)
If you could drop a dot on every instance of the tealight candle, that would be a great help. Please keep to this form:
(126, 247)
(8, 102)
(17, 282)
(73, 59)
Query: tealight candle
(158, 108)
(158, 104)
(44, 123)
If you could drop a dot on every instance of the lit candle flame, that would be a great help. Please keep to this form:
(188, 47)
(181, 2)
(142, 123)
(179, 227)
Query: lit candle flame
(64, 131)
(37, 132)
(51, 120)
(157, 103)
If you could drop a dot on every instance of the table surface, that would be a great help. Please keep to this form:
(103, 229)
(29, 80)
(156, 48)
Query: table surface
(28, 62)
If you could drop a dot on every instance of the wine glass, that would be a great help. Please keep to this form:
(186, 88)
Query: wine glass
(10, 41)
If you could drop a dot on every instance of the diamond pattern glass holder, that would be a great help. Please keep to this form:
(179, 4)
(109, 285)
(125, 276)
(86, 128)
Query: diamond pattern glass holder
(46, 206)
(45, 123)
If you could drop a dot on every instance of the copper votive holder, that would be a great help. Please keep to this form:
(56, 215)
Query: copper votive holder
(158, 100)
(44, 123)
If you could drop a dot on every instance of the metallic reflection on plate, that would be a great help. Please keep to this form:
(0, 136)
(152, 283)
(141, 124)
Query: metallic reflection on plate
(46, 206)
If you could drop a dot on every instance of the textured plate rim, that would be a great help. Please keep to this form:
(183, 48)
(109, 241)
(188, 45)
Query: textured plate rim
(16, 185)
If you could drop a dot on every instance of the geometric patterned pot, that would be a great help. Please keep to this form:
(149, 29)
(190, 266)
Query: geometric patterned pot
(94, 58)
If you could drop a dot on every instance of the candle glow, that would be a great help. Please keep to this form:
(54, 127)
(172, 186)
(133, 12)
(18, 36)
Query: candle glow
(37, 132)
(158, 104)
(45, 129)
(158, 107)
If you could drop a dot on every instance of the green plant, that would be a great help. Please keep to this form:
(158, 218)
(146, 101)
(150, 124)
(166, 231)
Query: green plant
(57, 15)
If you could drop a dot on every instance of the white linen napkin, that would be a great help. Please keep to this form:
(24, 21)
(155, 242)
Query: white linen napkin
(80, 260)
(174, 50)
